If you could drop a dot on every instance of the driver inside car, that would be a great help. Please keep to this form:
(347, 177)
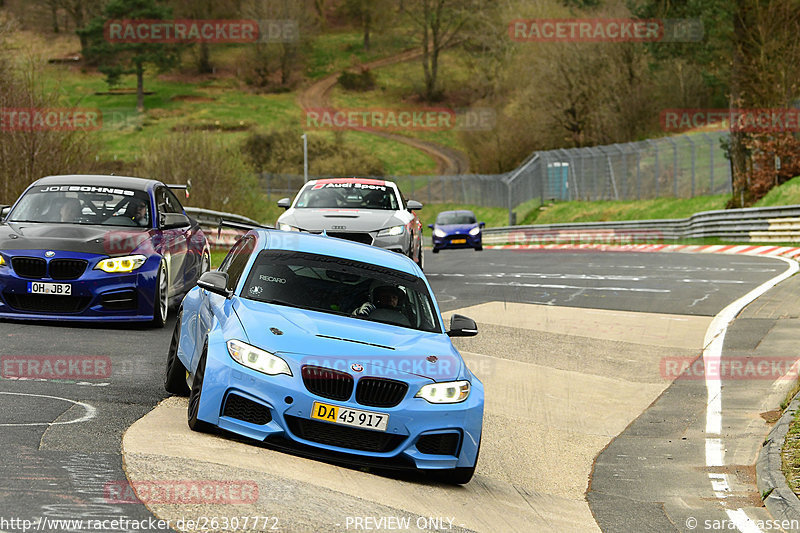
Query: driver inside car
(383, 297)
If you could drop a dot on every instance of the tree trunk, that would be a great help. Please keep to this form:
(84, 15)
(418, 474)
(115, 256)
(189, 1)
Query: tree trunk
(139, 88)
(204, 59)
(367, 28)
(737, 151)
(54, 16)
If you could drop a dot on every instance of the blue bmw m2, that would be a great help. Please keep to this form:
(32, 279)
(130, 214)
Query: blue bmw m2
(329, 348)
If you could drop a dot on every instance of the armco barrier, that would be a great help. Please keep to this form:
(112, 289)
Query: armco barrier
(759, 224)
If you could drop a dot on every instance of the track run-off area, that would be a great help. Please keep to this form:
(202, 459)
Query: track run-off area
(603, 410)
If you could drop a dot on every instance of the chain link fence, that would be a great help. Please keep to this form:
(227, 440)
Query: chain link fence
(681, 166)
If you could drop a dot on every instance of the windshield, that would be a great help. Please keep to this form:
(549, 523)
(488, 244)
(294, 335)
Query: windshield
(339, 286)
(81, 204)
(445, 219)
(348, 195)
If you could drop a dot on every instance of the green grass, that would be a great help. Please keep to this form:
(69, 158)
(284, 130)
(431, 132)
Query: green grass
(601, 211)
(398, 87)
(334, 52)
(790, 455)
(786, 194)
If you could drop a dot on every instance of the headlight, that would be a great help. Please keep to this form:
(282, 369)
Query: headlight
(121, 265)
(391, 232)
(287, 227)
(2, 261)
(439, 233)
(449, 392)
(258, 360)
(475, 231)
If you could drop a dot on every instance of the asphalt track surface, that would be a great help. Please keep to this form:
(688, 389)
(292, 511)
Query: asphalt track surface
(60, 440)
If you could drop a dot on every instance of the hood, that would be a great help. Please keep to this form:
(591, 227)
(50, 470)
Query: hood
(361, 220)
(72, 238)
(456, 228)
(316, 338)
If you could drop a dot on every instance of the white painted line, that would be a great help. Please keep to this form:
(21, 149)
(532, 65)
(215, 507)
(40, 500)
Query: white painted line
(91, 412)
(742, 521)
(548, 286)
(715, 336)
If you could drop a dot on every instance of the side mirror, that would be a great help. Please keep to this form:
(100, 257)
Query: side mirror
(482, 224)
(461, 326)
(430, 226)
(4, 211)
(412, 205)
(285, 203)
(215, 282)
(174, 221)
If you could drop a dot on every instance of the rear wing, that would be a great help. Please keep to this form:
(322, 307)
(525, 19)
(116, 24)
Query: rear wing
(240, 225)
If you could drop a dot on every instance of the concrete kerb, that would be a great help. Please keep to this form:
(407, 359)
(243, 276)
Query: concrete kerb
(781, 502)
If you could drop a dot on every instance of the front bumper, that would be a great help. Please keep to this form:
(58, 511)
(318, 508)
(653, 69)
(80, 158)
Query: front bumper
(446, 242)
(95, 295)
(290, 404)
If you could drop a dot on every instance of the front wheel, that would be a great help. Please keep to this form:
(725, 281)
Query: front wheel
(479, 248)
(161, 297)
(195, 424)
(460, 475)
(421, 261)
(436, 250)
(455, 476)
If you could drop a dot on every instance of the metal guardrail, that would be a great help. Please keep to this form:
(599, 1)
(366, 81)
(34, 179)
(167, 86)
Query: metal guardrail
(759, 224)
(209, 220)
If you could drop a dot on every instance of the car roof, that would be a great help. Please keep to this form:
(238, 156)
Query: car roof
(457, 212)
(126, 182)
(368, 181)
(324, 245)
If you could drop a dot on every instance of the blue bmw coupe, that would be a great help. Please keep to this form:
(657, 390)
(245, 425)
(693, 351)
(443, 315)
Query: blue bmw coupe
(97, 248)
(329, 348)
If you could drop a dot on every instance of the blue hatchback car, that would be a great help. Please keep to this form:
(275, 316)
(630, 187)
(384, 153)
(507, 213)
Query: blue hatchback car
(329, 348)
(457, 229)
(97, 248)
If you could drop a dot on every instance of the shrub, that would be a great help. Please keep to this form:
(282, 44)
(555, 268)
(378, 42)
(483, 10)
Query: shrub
(357, 81)
(221, 178)
(281, 152)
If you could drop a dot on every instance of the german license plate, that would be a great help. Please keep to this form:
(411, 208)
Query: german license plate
(350, 417)
(459, 241)
(60, 289)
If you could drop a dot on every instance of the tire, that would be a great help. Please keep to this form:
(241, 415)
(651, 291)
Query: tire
(458, 476)
(175, 375)
(161, 297)
(421, 262)
(478, 248)
(195, 424)
(455, 476)
(436, 250)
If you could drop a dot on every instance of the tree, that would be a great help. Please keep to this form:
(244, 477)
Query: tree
(748, 57)
(116, 59)
(283, 53)
(367, 13)
(439, 24)
(204, 10)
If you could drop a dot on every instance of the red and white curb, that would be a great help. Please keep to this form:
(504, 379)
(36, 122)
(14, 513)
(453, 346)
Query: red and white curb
(747, 249)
